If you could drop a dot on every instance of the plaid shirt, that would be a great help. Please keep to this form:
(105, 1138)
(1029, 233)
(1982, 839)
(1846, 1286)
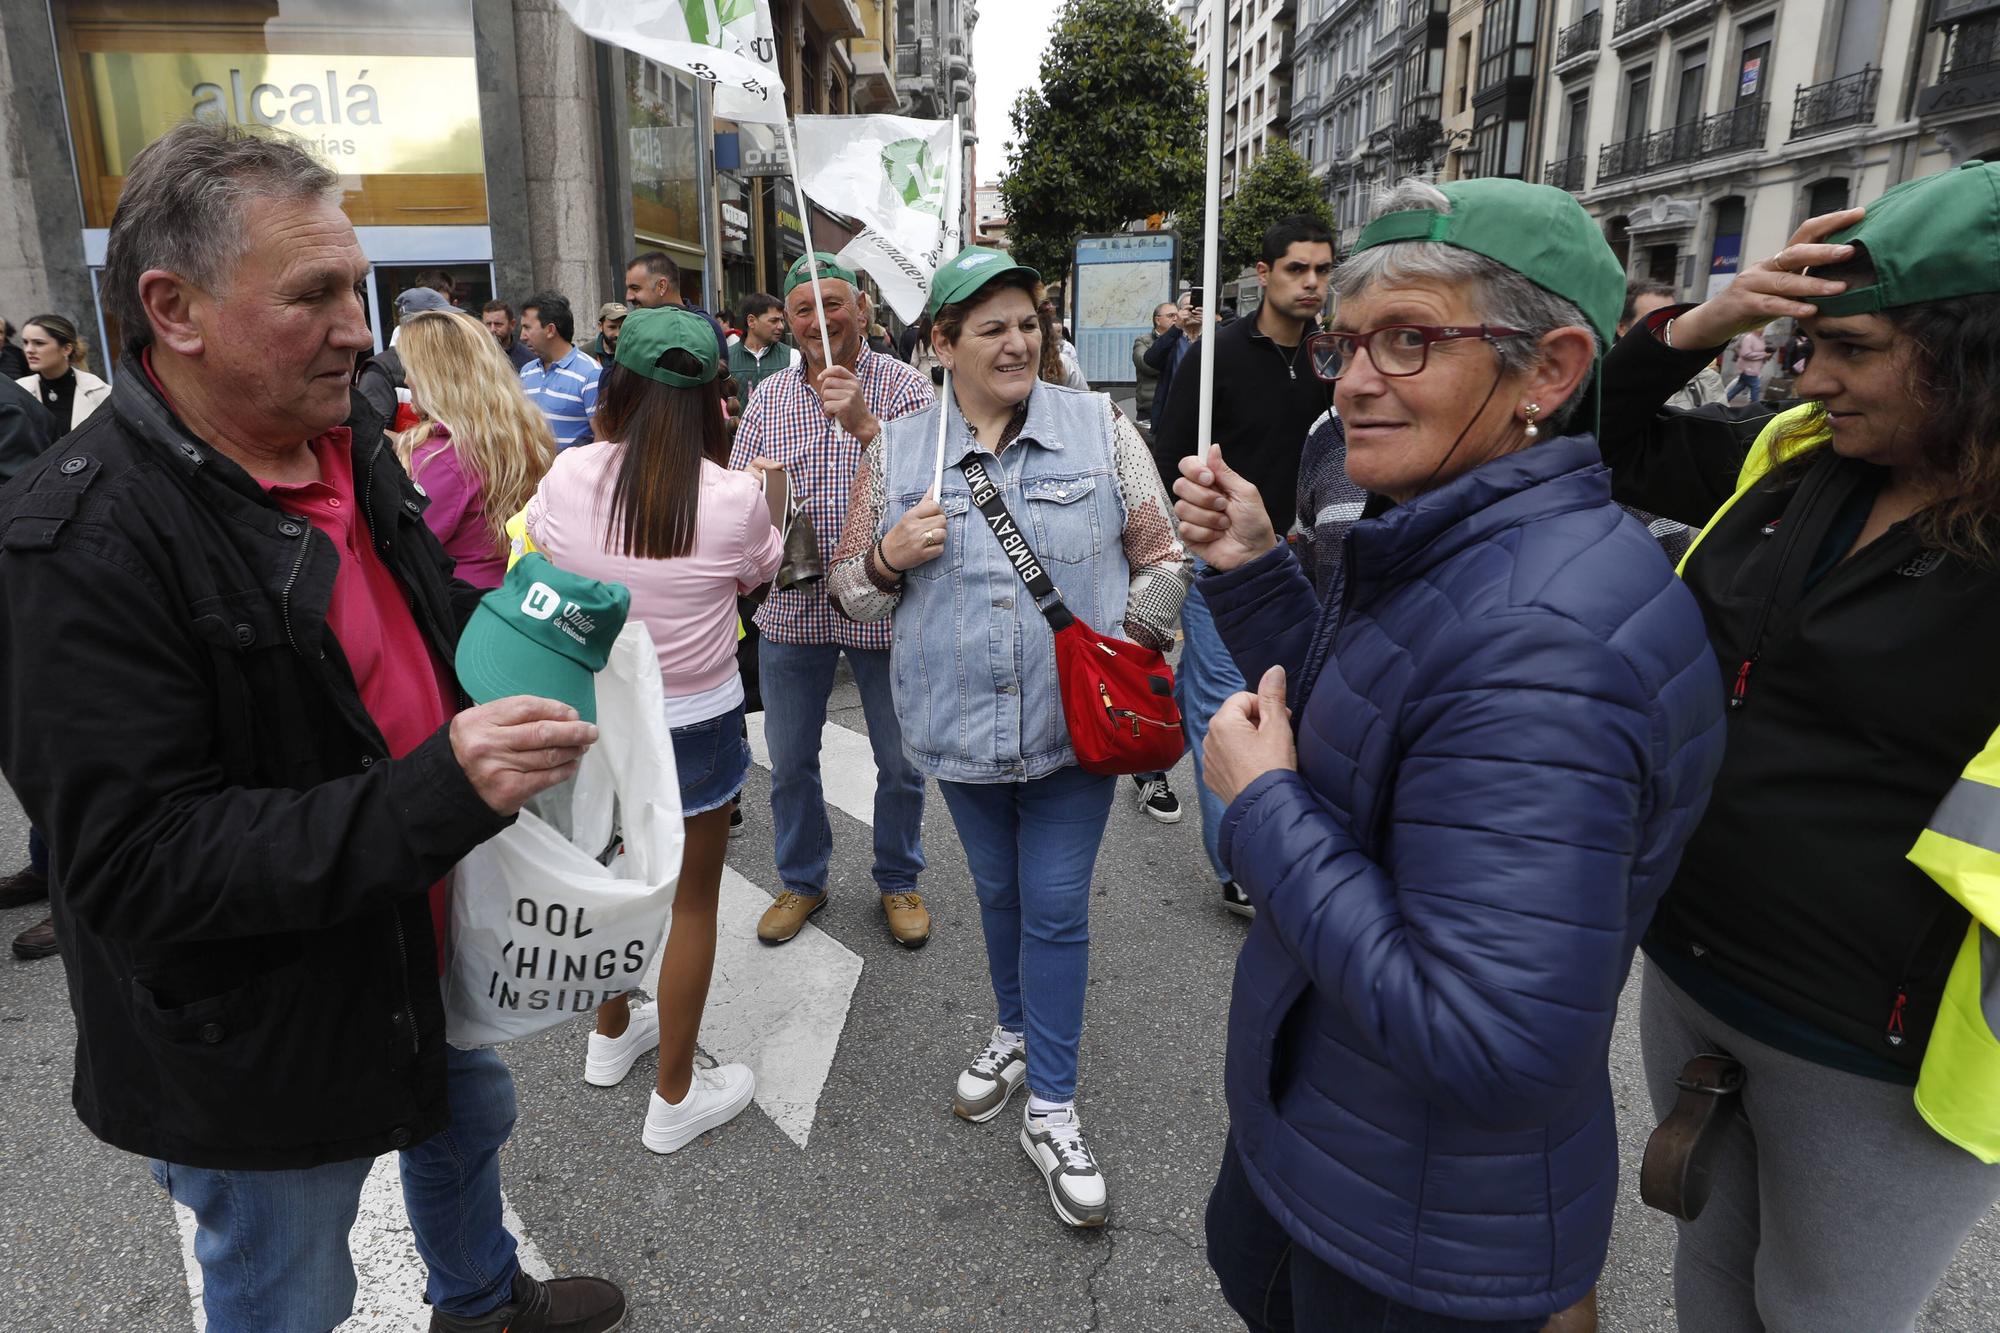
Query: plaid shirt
(784, 422)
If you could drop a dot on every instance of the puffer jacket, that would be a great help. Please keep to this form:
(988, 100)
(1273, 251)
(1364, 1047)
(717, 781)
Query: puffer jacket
(1507, 724)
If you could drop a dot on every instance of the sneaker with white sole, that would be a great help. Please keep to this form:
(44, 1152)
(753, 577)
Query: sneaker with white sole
(1157, 799)
(990, 1080)
(1237, 901)
(713, 1098)
(610, 1059)
(1054, 1143)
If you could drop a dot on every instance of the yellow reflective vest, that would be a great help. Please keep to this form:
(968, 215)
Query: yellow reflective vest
(1958, 1087)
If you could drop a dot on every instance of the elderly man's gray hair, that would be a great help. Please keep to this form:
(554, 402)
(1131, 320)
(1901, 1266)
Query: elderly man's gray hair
(184, 207)
(1497, 293)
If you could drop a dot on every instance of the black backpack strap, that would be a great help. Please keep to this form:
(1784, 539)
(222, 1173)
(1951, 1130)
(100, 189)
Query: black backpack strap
(1014, 543)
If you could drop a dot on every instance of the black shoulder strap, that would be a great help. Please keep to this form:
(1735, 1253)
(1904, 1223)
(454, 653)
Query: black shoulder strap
(1014, 543)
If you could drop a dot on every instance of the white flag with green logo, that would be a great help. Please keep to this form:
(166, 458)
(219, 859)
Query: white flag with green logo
(728, 43)
(895, 176)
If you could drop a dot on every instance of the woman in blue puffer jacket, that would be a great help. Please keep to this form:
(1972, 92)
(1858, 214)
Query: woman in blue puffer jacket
(1507, 719)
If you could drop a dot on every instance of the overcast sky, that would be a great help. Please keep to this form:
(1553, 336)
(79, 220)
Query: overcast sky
(1007, 48)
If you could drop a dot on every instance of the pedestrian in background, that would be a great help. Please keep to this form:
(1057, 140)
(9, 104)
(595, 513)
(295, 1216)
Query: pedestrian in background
(232, 720)
(13, 361)
(563, 381)
(653, 280)
(761, 353)
(500, 321)
(60, 375)
(1266, 401)
(1847, 573)
(1506, 724)
(1751, 354)
(1144, 375)
(610, 317)
(652, 507)
(815, 420)
(479, 447)
(1165, 356)
(978, 699)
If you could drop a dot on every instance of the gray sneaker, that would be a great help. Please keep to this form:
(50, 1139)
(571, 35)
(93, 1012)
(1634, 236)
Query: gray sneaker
(1054, 1143)
(990, 1080)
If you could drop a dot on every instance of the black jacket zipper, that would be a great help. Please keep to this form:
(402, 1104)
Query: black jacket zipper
(1739, 690)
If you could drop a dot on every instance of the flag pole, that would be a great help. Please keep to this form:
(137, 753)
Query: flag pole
(1211, 231)
(812, 260)
(953, 205)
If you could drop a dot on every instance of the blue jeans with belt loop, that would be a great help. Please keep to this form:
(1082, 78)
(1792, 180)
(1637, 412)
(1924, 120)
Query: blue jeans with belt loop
(273, 1244)
(1031, 847)
(1203, 681)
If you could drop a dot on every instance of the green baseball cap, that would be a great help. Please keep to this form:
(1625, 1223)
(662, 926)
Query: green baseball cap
(1930, 239)
(544, 632)
(1537, 231)
(969, 270)
(801, 272)
(648, 335)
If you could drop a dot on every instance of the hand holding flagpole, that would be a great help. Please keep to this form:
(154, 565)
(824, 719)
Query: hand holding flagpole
(1211, 237)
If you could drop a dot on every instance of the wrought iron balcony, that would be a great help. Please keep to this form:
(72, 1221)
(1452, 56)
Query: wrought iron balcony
(1565, 173)
(1969, 75)
(1633, 14)
(1838, 103)
(1580, 37)
(1730, 132)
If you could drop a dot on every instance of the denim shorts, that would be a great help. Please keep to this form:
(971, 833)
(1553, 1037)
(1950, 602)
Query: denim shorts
(713, 759)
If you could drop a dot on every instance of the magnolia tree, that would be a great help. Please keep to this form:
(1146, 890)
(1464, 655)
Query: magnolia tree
(1109, 132)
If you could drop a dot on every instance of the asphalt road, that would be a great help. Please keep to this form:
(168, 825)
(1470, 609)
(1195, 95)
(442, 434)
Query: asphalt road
(896, 1215)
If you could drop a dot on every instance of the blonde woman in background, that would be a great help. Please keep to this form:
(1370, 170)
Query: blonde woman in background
(480, 448)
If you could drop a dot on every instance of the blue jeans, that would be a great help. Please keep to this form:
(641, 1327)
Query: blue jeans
(273, 1244)
(797, 680)
(1752, 380)
(38, 852)
(1031, 847)
(1207, 676)
(1276, 1287)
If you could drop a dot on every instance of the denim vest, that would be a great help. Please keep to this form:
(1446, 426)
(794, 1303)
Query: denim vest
(974, 660)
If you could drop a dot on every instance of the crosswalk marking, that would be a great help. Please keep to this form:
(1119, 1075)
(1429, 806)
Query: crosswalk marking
(846, 767)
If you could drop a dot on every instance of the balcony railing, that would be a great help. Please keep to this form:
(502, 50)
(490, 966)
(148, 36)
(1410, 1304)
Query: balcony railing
(1565, 173)
(1969, 75)
(1835, 104)
(1730, 132)
(1579, 37)
(1637, 13)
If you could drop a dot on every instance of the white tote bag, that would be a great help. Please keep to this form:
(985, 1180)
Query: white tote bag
(547, 920)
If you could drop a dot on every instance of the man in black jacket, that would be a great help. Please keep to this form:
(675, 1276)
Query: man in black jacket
(224, 630)
(1266, 401)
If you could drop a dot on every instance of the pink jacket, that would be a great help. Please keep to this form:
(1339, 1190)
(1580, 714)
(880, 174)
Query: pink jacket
(458, 510)
(689, 603)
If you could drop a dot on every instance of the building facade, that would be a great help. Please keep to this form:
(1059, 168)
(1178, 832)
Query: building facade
(1257, 75)
(1702, 132)
(488, 138)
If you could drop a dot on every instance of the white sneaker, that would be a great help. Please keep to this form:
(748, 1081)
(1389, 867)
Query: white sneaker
(987, 1083)
(714, 1098)
(610, 1059)
(1054, 1143)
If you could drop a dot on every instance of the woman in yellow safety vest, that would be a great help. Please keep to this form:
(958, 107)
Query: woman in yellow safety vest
(1831, 923)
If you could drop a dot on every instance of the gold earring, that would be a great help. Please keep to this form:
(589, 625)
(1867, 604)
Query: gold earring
(1534, 432)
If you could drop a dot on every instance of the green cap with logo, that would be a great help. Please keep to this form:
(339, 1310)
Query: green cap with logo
(649, 335)
(544, 632)
(800, 273)
(969, 270)
(1537, 231)
(1931, 239)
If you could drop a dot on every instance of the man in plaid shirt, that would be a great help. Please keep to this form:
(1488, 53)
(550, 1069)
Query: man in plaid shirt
(816, 421)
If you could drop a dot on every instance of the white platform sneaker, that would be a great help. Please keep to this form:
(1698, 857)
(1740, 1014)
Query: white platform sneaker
(1054, 1143)
(987, 1083)
(610, 1059)
(713, 1098)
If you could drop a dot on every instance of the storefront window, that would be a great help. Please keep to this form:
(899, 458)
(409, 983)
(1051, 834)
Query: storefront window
(383, 91)
(666, 199)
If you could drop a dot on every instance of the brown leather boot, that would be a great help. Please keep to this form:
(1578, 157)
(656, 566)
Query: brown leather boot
(37, 941)
(786, 916)
(909, 919)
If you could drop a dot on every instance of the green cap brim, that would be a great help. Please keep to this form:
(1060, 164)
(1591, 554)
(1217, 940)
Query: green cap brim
(495, 661)
(829, 267)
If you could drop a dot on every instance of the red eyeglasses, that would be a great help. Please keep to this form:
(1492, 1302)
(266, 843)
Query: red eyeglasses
(1395, 350)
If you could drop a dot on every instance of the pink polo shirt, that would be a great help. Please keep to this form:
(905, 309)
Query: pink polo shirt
(371, 618)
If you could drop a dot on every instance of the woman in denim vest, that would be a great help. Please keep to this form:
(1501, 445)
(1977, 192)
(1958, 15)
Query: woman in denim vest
(975, 666)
